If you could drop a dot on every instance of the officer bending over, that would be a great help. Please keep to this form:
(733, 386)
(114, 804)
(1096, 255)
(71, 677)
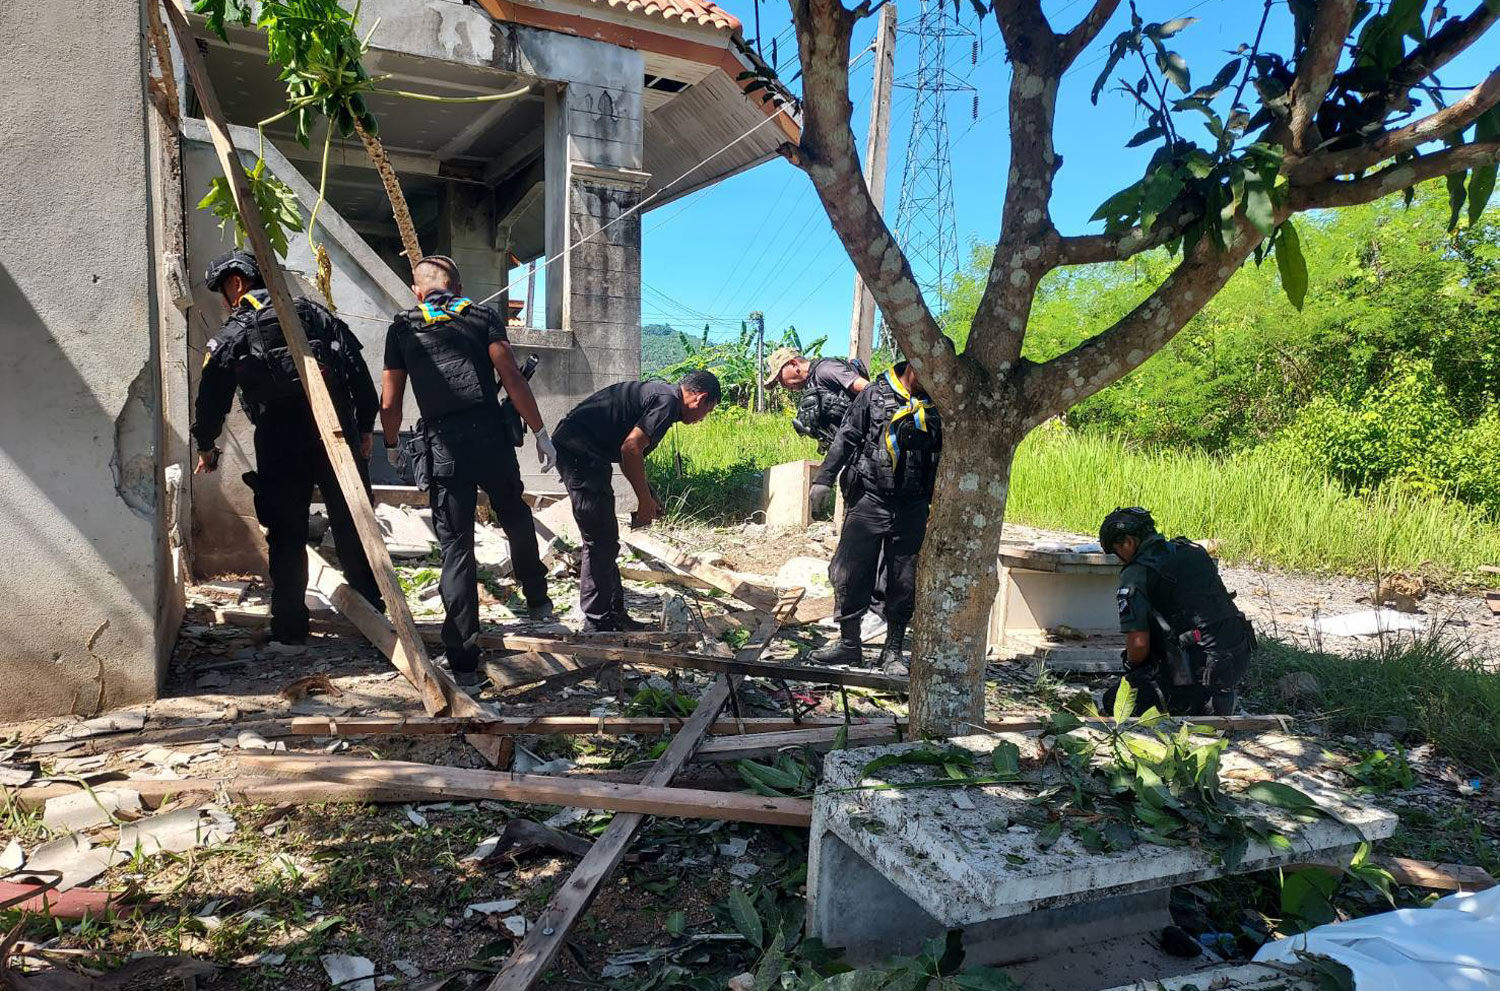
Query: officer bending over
(891, 441)
(1186, 643)
(451, 349)
(619, 424)
(250, 352)
(828, 387)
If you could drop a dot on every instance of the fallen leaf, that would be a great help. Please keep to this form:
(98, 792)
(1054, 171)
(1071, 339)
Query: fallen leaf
(313, 684)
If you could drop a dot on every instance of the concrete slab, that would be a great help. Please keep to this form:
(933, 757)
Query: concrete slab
(1228, 977)
(963, 860)
(787, 488)
(1098, 654)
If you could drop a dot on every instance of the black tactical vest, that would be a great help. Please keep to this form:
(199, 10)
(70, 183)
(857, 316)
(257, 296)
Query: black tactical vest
(445, 341)
(264, 368)
(899, 452)
(1191, 595)
(821, 409)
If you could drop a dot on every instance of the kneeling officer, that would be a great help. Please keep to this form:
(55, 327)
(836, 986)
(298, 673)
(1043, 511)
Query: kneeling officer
(251, 353)
(1186, 643)
(891, 440)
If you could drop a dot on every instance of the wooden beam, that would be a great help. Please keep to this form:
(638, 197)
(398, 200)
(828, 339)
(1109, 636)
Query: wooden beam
(544, 940)
(436, 782)
(749, 746)
(754, 726)
(156, 792)
(323, 577)
(406, 650)
(646, 657)
(754, 596)
(662, 577)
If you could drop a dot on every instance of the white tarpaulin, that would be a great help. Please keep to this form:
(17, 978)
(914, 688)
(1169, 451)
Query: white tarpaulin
(1452, 946)
(1368, 623)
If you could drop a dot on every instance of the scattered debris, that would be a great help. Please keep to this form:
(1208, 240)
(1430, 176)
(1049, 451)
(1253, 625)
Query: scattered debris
(313, 684)
(1400, 591)
(223, 591)
(88, 808)
(13, 857)
(1367, 623)
(349, 973)
(491, 908)
(124, 721)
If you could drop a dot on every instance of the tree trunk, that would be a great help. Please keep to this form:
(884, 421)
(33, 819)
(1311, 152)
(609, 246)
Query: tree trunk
(957, 577)
(409, 244)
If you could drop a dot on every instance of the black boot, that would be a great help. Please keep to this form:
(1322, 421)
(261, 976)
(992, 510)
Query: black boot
(890, 655)
(847, 649)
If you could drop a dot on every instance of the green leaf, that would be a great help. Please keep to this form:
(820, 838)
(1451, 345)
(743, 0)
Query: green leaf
(746, 919)
(1169, 28)
(1259, 208)
(1457, 191)
(984, 979)
(1482, 179)
(677, 922)
(1175, 68)
(1280, 795)
(1116, 52)
(1124, 706)
(1006, 759)
(1291, 264)
(921, 755)
(1144, 135)
(1049, 835)
(768, 974)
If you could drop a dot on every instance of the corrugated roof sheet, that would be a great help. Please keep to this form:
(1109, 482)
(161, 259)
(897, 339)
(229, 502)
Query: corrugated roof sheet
(702, 12)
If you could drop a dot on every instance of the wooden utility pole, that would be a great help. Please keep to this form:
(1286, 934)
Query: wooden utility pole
(439, 695)
(877, 151)
(758, 319)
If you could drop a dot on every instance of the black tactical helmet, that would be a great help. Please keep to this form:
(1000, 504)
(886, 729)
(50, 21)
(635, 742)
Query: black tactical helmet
(236, 261)
(1127, 521)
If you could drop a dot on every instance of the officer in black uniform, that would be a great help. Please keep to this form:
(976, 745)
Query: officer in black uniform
(828, 386)
(1186, 643)
(891, 441)
(619, 424)
(251, 353)
(451, 349)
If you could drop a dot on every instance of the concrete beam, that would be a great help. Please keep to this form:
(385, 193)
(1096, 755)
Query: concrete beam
(517, 156)
(464, 140)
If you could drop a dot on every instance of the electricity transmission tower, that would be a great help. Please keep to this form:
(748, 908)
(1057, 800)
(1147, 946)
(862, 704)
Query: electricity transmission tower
(926, 227)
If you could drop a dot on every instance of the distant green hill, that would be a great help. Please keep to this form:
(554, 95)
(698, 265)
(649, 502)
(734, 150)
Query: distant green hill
(661, 346)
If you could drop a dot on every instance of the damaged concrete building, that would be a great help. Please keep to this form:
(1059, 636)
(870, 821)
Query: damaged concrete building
(625, 107)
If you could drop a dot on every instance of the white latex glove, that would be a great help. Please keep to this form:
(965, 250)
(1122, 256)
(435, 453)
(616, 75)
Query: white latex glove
(393, 455)
(546, 451)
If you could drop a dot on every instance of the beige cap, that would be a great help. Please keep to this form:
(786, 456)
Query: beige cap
(778, 360)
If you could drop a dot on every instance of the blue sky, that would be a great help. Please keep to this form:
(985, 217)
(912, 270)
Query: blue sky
(760, 240)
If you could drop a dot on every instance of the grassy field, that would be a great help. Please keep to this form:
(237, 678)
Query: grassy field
(1261, 512)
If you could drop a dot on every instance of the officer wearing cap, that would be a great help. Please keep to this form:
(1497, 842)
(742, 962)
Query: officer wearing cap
(890, 442)
(828, 387)
(1186, 643)
(451, 349)
(251, 354)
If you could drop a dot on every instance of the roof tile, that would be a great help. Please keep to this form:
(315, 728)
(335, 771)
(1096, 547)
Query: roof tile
(702, 12)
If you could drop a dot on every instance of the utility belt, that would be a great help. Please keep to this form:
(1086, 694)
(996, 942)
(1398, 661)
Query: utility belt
(435, 449)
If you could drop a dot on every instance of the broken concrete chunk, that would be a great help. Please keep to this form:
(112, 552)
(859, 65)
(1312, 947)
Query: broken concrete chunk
(13, 857)
(744, 870)
(222, 591)
(735, 848)
(72, 856)
(114, 722)
(15, 777)
(349, 973)
(491, 908)
(516, 925)
(86, 809)
(407, 967)
(416, 818)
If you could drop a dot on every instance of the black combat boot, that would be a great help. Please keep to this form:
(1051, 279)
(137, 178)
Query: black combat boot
(847, 649)
(890, 655)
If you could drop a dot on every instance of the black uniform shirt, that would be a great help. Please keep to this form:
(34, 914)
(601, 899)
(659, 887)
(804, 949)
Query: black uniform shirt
(469, 331)
(599, 425)
(832, 374)
(1138, 583)
(293, 421)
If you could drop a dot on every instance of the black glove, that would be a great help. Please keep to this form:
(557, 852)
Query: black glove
(820, 498)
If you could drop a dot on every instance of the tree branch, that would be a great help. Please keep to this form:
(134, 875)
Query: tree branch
(1090, 249)
(1449, 120)
(1316, 67)
(1026, 248)
(1076, 40)
(827, 154)
(1394, 178)
(1105, 358)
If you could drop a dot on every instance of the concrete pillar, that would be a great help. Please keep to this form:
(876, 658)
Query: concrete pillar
(467, 235)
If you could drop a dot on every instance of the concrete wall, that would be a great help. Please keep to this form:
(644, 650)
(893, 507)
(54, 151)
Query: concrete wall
(79, 431)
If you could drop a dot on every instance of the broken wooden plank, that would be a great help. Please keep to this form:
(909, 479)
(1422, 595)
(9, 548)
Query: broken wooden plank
(531, 667)
(256, 619)
(662, 577)
(753, 595)
(749, 746)
(406, 650)
(530, 960)
(541, 725)
(249, 790)
(436, 782)
(357, 609)
(1435, 876)
(646, 657)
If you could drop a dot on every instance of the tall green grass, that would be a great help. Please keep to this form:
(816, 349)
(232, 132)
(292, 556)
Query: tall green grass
(1435, 686)
(1261, 512)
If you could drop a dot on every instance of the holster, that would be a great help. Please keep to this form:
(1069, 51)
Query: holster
(414, 453)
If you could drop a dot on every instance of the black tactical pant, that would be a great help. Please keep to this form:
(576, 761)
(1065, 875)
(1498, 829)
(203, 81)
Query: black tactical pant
(588, 481)
(1216, 672)
(464, 458)
(879, 529)
(284, 480)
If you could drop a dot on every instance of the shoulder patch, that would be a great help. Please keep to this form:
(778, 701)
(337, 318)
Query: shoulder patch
(1122, 600)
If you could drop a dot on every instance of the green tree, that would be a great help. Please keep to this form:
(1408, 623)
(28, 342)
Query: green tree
(1310, 119)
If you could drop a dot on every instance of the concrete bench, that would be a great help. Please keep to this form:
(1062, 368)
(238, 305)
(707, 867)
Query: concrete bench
(889, 869)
